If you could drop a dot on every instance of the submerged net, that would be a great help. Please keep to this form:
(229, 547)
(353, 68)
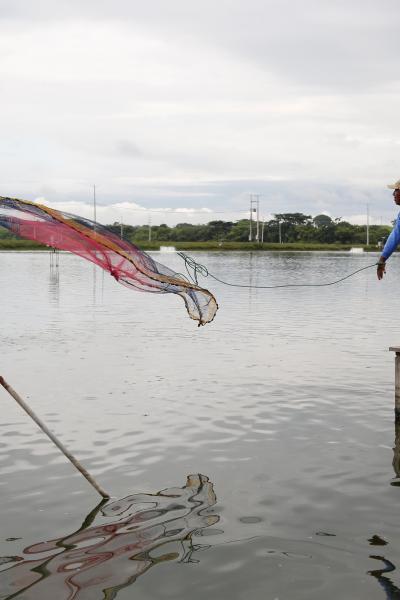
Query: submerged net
(124, 261)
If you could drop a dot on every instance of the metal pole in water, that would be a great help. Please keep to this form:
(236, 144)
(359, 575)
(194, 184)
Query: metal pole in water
(396, 349)
(53, 438)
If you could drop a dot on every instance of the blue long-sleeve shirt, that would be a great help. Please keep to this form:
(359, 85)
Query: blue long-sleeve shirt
(393, 240)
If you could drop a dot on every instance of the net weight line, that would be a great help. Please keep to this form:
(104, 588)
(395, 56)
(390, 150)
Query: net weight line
(193, 269)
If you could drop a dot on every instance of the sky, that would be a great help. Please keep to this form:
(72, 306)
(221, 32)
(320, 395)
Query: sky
(178, 111)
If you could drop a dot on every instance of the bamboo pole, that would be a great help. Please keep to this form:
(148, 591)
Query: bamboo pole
(53, 438)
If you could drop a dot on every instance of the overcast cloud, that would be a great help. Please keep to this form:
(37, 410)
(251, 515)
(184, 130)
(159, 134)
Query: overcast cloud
(169, 105)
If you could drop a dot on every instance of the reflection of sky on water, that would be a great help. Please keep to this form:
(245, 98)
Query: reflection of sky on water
(95, 562)
(285, 401)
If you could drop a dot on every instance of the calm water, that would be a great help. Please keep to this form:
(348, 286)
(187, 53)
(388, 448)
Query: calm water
(247, 459)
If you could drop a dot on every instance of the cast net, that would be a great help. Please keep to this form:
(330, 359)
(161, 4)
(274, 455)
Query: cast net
(123, 260)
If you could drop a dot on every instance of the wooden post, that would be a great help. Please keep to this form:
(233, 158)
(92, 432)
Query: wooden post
(396, 453)
(53, 438)
(396, 349)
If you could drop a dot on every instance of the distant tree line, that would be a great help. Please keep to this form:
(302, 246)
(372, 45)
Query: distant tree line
(284, 227)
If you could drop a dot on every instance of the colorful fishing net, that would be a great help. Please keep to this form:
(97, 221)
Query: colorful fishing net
(124, 261)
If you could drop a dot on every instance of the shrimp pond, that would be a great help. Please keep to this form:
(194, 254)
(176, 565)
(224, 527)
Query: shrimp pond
(253, 458)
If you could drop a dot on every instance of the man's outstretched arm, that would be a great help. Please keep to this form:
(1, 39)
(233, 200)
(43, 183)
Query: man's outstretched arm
(391, 244)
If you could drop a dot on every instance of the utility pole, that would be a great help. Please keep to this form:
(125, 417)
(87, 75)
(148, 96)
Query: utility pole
(258, 217)
(254, 208)
(280, 231)
(262, 229)
(149, 228)
(251, 219)
(94, 207)
(367, 224)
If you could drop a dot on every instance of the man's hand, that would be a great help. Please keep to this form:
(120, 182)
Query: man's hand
(380, 269)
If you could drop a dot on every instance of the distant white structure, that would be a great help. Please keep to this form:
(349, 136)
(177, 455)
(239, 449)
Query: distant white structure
(356, 250)
(167, 249)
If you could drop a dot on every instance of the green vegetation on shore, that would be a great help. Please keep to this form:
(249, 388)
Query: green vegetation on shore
(245, 246)
(287, 228)
(17, 244)
(286, 231)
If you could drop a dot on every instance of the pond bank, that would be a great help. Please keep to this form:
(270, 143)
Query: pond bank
(12, 244)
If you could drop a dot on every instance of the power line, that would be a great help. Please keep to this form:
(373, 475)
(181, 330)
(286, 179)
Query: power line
(175, 211)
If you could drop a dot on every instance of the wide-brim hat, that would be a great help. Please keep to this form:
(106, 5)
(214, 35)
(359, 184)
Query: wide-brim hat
(395, 185)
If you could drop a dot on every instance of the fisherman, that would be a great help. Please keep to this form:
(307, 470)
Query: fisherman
(394, 238)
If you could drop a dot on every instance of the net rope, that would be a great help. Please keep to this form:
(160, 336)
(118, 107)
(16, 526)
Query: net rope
(193, 269)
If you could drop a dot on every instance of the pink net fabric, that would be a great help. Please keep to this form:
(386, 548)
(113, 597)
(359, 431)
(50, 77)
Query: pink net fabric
(124, 261)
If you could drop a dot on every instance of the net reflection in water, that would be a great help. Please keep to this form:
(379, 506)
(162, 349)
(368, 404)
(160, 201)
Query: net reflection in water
(95, 562)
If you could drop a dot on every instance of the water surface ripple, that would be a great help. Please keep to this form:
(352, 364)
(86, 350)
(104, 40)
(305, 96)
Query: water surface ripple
(284, 403)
